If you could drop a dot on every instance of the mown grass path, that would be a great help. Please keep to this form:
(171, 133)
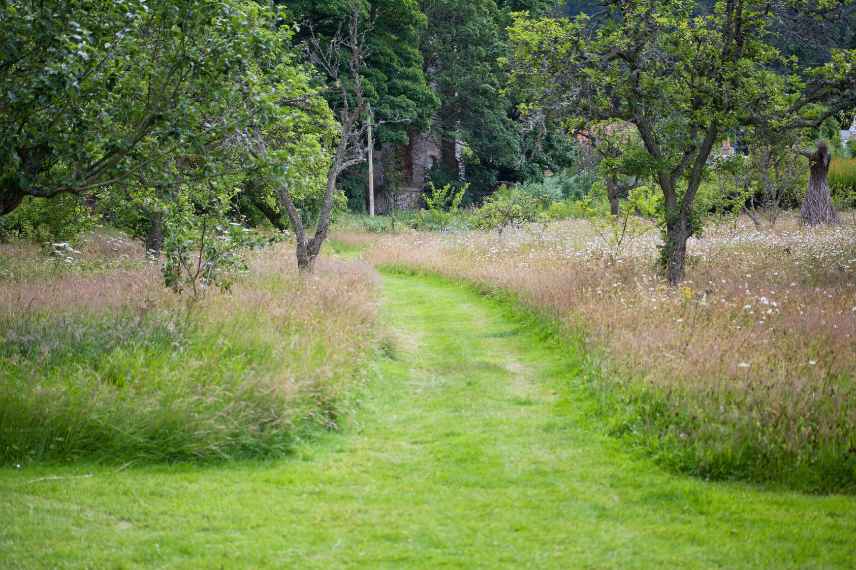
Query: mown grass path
(470, 452)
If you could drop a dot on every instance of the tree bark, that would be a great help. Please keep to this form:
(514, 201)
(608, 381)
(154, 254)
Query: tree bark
(370, 149)
(349, 151)
(305, 257)
(10, 199)
(449, 157)
(817, 207)
(675, 249)
(612, 193)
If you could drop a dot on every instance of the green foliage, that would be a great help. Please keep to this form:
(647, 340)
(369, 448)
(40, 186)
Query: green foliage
(727, 190)
(567, 209)
(201, 250)
(42, 220)
(151, 388)
(683, 79)
(543, 193)
(101, 91)
(151, 103)
(443, 207)
(578, 185)
(646, 201)
(462, 47)
(446, 198)
(508, 207)
(636, 213)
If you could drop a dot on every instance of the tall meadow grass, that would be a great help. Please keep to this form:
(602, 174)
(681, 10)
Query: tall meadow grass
(842, 181)
(106, 365)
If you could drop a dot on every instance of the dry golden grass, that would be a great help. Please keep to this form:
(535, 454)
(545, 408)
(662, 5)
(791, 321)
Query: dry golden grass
(107, 272)
(763, 329)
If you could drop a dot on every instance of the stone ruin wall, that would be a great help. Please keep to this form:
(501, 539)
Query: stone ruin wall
(422, 154)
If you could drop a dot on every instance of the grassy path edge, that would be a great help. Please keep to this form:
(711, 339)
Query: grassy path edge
(646, 421)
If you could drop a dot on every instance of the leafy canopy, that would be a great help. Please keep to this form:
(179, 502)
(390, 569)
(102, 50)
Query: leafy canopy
(684, 78)
(129, 94)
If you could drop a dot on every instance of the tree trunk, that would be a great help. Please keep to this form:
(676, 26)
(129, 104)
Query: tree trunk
(674, 253)
(817, 207)
(613, 193)
(10, 199)
(305, 257)
(370, 147)
(154, 234)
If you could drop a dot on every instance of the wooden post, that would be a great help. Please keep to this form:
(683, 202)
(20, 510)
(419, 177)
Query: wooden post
(371, 165)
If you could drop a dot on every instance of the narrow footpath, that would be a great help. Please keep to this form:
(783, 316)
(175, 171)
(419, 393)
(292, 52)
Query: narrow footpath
(470, 451)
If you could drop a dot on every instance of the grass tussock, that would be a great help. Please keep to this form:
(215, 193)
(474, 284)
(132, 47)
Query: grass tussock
(104, 364)
(746, 371)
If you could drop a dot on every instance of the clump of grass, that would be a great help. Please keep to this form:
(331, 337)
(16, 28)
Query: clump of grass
(746, 371)
(109, 366)
(842, 181)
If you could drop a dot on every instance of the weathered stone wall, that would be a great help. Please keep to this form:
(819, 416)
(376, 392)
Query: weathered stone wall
(425, 153)
(419, 157)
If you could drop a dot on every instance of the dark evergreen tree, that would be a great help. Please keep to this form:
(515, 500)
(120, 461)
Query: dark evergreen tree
(395, 82)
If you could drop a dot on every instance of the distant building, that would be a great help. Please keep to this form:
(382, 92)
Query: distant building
(418, 157)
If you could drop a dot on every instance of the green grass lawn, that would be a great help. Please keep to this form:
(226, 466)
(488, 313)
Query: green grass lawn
(471, 450)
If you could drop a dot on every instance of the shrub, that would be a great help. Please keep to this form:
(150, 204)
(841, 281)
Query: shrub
(566, 209)
(545, 194)
(375, 225)
(200, 253)
(62, 218)
(575, 186)
(508, 207)
(444, 208)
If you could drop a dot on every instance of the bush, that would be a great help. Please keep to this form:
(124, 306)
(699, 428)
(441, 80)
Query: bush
(375, 225)
(444, 208)
(842, 181)
(62, 218)
(566, 209)
(545, 194)
(508, 207)
(574, 186)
